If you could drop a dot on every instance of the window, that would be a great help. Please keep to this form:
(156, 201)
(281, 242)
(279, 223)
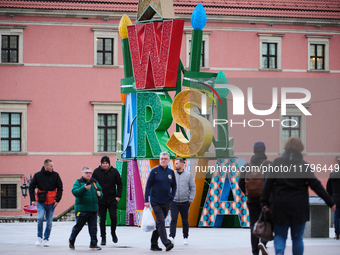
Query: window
(317, 56)
(104, 51)
(10, 199)
(318, 53)
(107, 132)
(107, 126)
(291, 127)
(270, 51)
(269, 55)
(8, 196)
(292, 124)
(205, 49)
(13, 126)
(10, 131)
(9, 48)
(105, 47)
(11, 40)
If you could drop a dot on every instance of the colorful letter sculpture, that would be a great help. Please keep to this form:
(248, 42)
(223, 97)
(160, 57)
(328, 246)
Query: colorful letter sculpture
(224, 180)
(148, 8)
(200, 127)
(130, 127)
(135, 198)
(152, 68)
(155, 49)
(153, 120)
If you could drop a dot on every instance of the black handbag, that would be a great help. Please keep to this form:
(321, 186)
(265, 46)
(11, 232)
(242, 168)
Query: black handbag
(263, 228)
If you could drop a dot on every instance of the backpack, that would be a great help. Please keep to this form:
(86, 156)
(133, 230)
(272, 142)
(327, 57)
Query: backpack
(254, 181)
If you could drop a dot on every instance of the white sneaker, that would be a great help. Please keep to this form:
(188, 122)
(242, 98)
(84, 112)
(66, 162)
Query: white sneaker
(185, 241)
(46, 243)
(172, 239)
(38, 242)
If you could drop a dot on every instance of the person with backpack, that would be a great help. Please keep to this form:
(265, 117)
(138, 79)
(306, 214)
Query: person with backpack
(286, 195)
(251, 182)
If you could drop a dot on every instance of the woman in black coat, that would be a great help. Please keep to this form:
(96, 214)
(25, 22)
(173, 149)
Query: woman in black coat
(333, 189)
(289, 183)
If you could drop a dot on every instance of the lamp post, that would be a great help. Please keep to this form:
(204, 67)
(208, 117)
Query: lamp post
(24, 188)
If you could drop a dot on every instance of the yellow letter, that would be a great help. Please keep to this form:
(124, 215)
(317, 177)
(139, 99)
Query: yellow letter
(200, 128)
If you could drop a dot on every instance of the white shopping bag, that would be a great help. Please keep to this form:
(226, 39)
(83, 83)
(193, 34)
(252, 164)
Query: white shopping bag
(148, 222)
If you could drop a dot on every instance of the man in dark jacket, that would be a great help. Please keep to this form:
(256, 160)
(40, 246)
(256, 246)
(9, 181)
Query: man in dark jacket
(254, 206)
(87, 192)
(333, 189)
(161, 187)
(109, 179)
(49, 191)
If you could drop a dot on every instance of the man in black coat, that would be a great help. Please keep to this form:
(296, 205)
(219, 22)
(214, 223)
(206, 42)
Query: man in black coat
(333, 189)
(49, 191)
(254, 206)
(109, 179)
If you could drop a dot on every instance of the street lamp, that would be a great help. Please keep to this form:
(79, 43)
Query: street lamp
(25, 187)
(24, 190)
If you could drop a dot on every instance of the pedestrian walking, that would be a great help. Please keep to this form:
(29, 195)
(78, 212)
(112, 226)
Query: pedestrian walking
(333, 189)
(185, 194)
(290, 201)
(109, 179)
(49, 191)
(161, 187)
(87, 192)
(251, 183)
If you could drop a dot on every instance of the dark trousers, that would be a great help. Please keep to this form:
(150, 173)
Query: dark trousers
(183, 209)
(161, 211)
(91, 219)
(254, 214)
(113, 216)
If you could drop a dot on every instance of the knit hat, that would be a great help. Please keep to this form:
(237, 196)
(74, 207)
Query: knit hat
(105, 159)
(259, 146)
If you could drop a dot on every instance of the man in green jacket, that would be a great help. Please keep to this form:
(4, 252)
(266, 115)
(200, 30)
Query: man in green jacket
(87, 192)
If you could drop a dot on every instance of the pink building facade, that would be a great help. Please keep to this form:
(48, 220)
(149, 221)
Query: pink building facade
(61, 66)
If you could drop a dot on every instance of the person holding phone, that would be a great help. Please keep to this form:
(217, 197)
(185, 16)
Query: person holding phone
(87, 192)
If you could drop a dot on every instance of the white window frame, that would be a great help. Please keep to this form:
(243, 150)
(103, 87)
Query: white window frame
(14, 30)
(13, 179)
(106, 108)
(319, 39)
(16, 106)
(188, 47)
(292, 110)
(106, 33)
(271, 38)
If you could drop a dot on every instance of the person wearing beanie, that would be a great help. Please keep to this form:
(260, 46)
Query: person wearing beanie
(259, 159)
(110, 180)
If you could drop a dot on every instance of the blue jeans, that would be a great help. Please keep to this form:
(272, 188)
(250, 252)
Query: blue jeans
(91, 219)
(281, 232)
(43, 210)
(183, 209)
(336, 220)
